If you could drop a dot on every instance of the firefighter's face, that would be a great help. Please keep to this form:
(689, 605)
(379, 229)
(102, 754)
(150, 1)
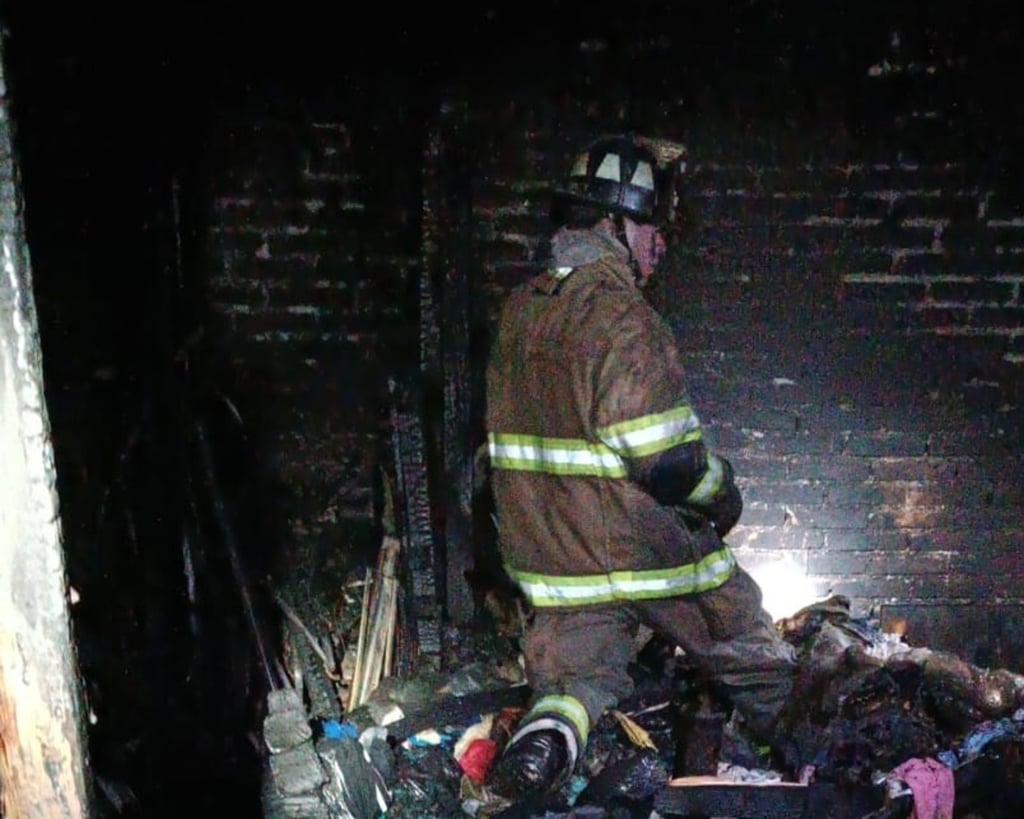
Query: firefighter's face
(647, 245)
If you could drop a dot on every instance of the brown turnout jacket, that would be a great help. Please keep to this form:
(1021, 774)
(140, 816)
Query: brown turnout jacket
(585, 389)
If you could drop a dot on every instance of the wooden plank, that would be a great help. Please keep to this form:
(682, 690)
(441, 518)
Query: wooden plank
(422, 596)
(712, 796)
(462, 710)
(42, 752)
(445, 338)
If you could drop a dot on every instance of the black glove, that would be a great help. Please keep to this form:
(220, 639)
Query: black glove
(677, 471)
(722, 512)
(726, 506)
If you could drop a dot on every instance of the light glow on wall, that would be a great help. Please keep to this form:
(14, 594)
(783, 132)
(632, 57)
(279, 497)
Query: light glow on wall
(785, 587)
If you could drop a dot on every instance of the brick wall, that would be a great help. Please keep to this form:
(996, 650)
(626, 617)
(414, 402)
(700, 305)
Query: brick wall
(310, 264)
(850, 311)
(848, 298)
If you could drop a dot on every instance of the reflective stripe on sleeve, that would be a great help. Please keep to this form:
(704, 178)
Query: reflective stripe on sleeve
(583, 590)
(652, 433)
(574, 456)
(709, 485)
(554, 456)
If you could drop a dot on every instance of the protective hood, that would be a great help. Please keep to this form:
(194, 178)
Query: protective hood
(575, 248)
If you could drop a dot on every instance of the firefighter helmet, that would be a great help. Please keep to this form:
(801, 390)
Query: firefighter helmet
(617, 174)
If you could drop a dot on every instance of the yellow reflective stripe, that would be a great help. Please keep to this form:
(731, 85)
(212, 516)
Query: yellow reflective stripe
(709, 572)
(568, 708)
(709, 485)
(554, 456)
(652, 433)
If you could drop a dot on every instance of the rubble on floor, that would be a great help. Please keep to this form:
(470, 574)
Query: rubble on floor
(877, 728)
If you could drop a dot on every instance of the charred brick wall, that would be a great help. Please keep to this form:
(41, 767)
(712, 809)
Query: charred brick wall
(847, 293)
(311, 250)
(848, 299)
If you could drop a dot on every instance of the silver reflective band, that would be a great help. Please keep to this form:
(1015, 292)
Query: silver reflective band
(579, 590)
(652, 433)
(561, 272)
(635, 438)
(555, 456)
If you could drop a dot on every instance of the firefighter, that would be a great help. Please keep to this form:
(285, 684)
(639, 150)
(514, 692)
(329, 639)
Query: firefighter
(611, 509)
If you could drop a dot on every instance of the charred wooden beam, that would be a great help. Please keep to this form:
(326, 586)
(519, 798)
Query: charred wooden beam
(421, 646)
(445, 295)
(459, 710)
(43, 756)
(708, 796)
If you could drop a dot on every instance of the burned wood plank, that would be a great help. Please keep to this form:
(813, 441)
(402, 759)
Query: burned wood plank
(445, 339)
(463, 710)
(43, 750)
(711, 796)
(422, 597)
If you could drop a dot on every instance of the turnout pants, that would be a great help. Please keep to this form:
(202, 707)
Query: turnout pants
(583, 653)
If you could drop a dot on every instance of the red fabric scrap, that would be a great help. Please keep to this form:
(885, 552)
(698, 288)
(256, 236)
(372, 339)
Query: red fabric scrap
(478, 757)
